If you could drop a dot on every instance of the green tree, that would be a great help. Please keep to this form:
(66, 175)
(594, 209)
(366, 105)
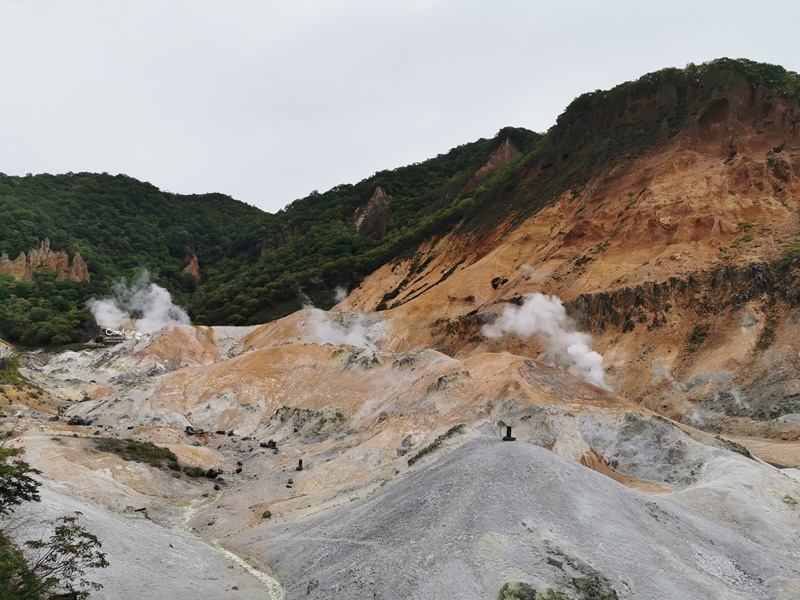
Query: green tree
(57, 564)
(61, 561)
(16, 484)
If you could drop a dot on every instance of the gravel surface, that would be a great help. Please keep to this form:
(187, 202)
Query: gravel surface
(149, 561)
(492, 512)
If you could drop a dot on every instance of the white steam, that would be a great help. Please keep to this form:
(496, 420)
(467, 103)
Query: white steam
(343, 329)
(339, 293)
(545, 317)
(142, 305)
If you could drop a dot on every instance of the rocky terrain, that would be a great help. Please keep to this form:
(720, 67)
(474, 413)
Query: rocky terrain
(402, 462)
(359, 452)
(680, 261)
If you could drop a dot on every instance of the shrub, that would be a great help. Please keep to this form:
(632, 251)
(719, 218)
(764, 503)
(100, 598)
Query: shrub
(517, 590)
(194, 471)
(437, 443)
(698, 335)
(44, 567)
(143, 452)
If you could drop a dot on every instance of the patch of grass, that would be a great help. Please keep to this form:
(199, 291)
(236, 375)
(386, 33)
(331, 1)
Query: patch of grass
(194, 471)
(767, 336)
(582, 260)
(9, 373)
(787, 499)
(790, 253)
(697, 337)
(734, 447)
(143, 452)
(437, 443)
(517, 590)
(591, 588)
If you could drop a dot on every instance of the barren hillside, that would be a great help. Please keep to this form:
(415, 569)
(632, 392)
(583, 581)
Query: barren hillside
(585, 388)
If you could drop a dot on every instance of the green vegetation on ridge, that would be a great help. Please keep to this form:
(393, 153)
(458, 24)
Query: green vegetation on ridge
(256, 266)
(312, 244)
(118, 225)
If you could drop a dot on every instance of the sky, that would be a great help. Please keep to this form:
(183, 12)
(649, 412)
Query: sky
(267, 101)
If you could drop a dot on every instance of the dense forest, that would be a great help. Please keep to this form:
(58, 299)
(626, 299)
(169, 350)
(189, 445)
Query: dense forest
(257, 266)
(118, 225)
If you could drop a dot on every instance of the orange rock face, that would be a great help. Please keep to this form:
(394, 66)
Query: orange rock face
(193, 268)
(645, 251)
(45, 258)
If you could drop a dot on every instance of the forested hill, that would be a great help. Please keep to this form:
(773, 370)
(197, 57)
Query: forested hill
(320, 242)
(253, 265)
(118, 225)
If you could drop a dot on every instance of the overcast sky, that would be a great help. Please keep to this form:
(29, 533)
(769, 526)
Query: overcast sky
(267, 101)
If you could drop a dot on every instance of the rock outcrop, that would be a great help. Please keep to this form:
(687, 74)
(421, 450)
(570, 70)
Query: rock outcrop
(373, 219)
(44, 258)
(193, 267)
(6, 349)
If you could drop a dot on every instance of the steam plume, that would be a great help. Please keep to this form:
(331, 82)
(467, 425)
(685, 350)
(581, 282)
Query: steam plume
(340, 293)
(142, 305)
(343, 329)
(546, 317)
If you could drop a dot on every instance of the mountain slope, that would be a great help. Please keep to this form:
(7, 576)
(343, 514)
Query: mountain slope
(357, 453)
(491, 513)
(680, 257)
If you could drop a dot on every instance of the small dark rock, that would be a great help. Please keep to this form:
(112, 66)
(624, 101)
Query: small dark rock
(78, 421)
(266, 514)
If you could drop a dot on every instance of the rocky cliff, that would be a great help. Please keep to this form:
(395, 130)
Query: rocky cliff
(44, 258)
(192, 266)
(373, 218)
